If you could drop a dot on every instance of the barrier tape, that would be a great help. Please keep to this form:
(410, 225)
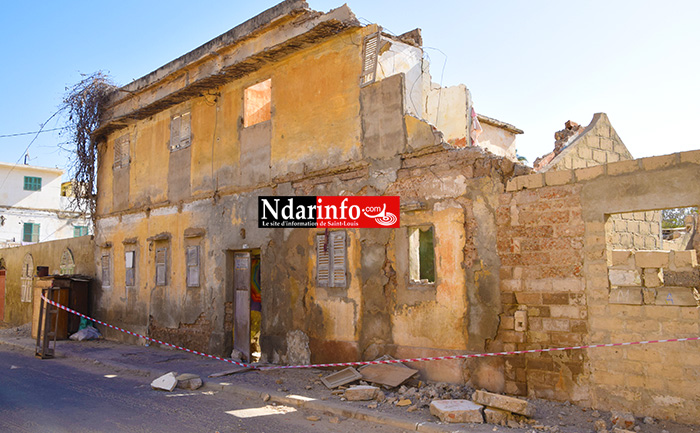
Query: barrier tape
(387, 361)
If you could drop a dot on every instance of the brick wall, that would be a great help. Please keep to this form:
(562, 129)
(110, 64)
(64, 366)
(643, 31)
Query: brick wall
(558, 268)
(540, 242)
(634, 230)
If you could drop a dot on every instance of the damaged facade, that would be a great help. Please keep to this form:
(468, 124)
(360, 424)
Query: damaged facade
(490, 255)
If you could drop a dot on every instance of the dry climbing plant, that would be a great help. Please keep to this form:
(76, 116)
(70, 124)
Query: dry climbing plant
(83, 106)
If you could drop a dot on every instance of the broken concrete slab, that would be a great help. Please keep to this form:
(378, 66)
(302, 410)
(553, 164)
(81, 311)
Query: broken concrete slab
(387, 374)
(511, 404)
(496, 416)
(189, 381)
(361, 393)
(232, 371)
(457, 411)
(166, 382)
(341, 377)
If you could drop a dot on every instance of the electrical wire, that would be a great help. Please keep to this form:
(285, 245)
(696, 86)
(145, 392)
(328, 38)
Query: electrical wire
(32, 132)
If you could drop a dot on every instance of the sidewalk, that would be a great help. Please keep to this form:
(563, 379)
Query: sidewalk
(297, 388)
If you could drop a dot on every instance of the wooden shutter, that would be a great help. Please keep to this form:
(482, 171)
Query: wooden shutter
(338, 259)
(192, 254)
(161, 266)
(121, 151)
(175, 133)
(370, 53)
(323, 262)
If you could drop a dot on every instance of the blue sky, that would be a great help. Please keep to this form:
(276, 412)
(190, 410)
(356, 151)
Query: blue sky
(535, 64)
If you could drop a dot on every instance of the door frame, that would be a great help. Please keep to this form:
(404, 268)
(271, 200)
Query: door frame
(242, 310)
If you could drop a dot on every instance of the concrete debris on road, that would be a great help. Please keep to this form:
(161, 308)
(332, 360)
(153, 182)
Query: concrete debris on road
(166, 382)
(361, 393)
(189, 381)
(453, 411)
(341, 377)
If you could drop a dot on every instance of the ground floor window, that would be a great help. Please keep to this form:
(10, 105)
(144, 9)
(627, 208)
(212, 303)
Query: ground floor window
(421, 255)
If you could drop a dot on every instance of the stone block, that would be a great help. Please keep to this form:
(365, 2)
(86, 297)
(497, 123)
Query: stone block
(626, 296)
(659, 162)
(678, 296)
(651, 259)
(510, 404)
(623, 167)
(624, 278)
(361, 393)
(531, 181)
(166, 382)
(496, 416)
(692, 156)
(653, 277)
(457, 411)
(589, 173)
(558, 177)
(682, 278)
(648, 296)
(621, 258)
(683, 259)
(189, 381)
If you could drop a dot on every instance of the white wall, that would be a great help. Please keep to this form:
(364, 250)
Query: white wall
(12, 191)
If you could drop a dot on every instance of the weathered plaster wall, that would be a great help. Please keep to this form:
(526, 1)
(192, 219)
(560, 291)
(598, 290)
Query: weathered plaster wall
(498, 141)
(658, 380)
(44, 254)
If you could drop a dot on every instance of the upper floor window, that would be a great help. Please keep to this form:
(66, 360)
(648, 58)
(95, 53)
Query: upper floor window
(257, 103)
(180, 131)
(30, 232)
(32, 183)
(80, 231)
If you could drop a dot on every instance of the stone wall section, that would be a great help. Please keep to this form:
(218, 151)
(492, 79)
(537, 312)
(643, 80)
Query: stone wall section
(634, 230)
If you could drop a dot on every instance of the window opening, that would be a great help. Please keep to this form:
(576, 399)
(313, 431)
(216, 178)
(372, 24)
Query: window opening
(130, 268)
(257, 103)
(331, 263)
(192, 254)
(421, 257)
(121, 151)
(27, 278)
(161, 266)
(106, 274)
(180, 131)
(67, 263)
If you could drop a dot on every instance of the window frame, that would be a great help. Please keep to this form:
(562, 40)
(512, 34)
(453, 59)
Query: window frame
(160, 282)
(32, 183)
(33, 237)
(130, 271)
(106, 269)
(255, 118)
(331, 262)
(193, 267)
(414, 253)
(180, 131)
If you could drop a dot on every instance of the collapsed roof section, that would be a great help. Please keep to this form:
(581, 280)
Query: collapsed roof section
(289, 27)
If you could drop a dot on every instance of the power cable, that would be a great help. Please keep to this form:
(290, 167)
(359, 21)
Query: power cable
(32, 132)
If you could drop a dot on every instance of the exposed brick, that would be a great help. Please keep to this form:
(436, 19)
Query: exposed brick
(566, 311)
(624, 278)
(621, 258)
(677, 296)
(549, 324)
(528, 298)
(565, 339)
(653, 277)
(503, 402)
(555, 298)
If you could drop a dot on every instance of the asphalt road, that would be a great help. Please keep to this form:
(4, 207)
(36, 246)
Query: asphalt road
(60, 395)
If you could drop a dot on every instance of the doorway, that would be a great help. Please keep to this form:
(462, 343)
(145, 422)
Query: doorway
(247, 320)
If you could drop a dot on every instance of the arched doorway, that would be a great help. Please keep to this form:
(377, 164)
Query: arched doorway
(67, 262)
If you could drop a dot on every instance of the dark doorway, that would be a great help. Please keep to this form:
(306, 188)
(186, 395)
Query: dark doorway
(247, 319)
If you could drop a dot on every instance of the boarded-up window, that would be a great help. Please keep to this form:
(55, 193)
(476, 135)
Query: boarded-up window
(27, 278)
(257, 103)
(180, 131)
(331, 259)
(192, 254)
(421, 254)
(370, 54)
(121, 151)
(161, 266)
(106, 271)
(130, 268)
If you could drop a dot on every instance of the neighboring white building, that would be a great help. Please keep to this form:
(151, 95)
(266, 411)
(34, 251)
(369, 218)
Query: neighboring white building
(34, 206)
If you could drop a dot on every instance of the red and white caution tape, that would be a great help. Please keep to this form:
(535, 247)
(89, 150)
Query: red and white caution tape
(388, 361)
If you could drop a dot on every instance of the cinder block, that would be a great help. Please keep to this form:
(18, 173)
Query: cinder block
(651, 259)
(624, 278)
(589, 173)
(558, 177)
(510, 404)
(653, 277)
(623, 167)
(648, 296)
(531, 181)
(457, 411)
(659, 162)
(683, 259)
(621, 258)
(678, 296)
(626, 296)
